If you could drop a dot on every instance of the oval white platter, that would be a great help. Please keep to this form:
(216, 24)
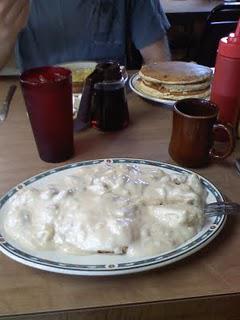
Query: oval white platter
(104, 264)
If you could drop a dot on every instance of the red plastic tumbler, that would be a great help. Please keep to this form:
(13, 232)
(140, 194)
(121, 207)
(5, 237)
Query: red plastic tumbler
(226, 83)
(48, 97)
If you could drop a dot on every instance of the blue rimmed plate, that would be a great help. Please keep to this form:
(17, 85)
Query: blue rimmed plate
(104, 264)
(134, 85)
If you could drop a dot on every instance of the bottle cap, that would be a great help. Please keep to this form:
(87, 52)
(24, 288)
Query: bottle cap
(230, 46)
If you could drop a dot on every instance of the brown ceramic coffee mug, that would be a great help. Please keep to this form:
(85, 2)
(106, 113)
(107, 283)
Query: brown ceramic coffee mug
(194, 124)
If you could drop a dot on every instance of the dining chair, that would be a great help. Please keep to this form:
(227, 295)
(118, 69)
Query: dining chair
(221, 21)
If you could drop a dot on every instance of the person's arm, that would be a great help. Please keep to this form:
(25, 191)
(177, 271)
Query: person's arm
(149, 26)
(157, 51)
(13, 18)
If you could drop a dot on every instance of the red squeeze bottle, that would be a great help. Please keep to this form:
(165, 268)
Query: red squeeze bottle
(226, 82)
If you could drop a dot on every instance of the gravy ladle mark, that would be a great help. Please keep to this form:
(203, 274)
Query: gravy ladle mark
(6, 103)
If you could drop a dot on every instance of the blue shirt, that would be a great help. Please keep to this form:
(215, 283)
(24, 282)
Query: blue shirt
(71, 30)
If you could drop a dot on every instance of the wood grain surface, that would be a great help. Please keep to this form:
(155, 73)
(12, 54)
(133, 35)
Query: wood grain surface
(203, 286)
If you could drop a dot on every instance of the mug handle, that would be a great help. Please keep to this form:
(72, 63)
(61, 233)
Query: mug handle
(231, 141)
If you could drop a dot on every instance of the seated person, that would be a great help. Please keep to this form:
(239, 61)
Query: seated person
(46, 32)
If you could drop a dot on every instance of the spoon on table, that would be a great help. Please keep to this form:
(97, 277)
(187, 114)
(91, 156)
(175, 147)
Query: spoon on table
(4, 108)
(222, 208)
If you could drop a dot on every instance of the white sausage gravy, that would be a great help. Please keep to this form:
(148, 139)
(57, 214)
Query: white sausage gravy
(128, 209)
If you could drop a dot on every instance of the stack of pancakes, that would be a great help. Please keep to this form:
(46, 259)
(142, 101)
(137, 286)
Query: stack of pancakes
(175, 80)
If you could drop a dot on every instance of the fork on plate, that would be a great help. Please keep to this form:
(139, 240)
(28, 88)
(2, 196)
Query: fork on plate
(221, 208)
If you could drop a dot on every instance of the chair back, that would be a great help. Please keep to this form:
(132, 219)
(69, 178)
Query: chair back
(221, 21)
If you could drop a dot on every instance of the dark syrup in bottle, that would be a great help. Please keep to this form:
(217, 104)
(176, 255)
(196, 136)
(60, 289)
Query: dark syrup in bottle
(109, 110)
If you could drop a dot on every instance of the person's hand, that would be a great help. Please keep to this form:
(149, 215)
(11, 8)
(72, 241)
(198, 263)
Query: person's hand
(13, 18)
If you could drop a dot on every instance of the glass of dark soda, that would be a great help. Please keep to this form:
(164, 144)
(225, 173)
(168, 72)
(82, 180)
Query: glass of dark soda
(47, 93)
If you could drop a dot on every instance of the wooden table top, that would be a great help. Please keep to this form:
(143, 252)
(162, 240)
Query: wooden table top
(190, 6)
(203, 286)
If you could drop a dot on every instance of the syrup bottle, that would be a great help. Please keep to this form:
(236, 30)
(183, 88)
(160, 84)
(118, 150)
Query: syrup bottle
(104, 104)
(109, 110)
(226, 82)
